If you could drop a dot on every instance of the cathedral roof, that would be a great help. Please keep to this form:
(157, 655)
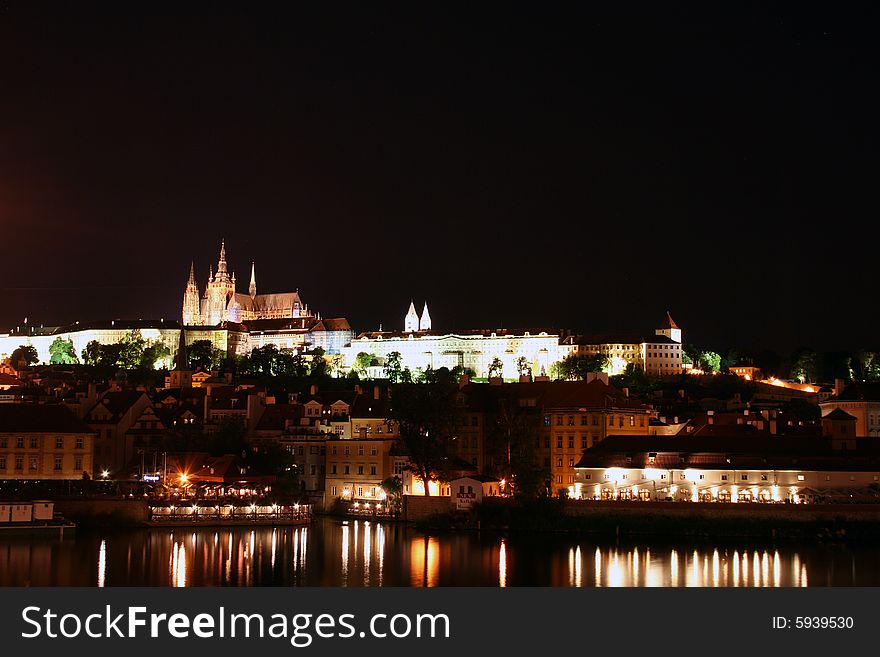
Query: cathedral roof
(265, 302)
(332, 324)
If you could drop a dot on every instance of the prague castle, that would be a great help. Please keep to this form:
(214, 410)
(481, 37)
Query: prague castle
(221, 303)
(238, 322)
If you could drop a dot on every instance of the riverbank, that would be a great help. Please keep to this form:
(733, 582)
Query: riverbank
(671, 519)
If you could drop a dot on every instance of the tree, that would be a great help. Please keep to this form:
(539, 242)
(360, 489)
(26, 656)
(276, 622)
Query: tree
(318, 366)
(392, 369)
(289, 362)
(153, 352)
(709, 361)
(511, 440)
(556, 371)
(61, 352)
(523, 366)
(459, 371)
(496, 367)
(805, 365)
(132, 349)
(91, 355)
(427, 416)
(364, 360)
(690, 354)
(26, 355)
(575, 367)
(728, 360)
(393, 487)
(202, 354)
(868, 363)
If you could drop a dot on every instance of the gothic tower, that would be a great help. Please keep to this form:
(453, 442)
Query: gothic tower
(411, 321)
(220, 289)
(425, 320)
(191, 310)
(252, 289)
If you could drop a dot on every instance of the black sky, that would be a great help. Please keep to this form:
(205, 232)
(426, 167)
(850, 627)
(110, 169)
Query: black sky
(580, 166)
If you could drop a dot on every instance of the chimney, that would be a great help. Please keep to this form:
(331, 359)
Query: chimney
(313, 389)
(495, 380)
(838, 387)
(375, 392)
(464, 380)
(626, 392)
(357, 389)
(711, 416)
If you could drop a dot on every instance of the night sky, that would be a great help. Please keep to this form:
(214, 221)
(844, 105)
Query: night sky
(586, 167)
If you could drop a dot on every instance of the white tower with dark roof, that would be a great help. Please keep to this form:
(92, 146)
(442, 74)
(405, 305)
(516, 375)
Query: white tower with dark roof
(670, 329)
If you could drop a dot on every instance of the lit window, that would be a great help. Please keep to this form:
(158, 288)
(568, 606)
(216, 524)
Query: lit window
(801, 477)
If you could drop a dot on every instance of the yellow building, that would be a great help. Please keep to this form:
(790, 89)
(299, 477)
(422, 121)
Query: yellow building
(357, 466)
(43, 441)
(578, 415)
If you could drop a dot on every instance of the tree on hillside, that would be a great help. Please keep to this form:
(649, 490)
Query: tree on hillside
(202, 354)
(152, 353)
(364, 360)
(496, 367)
(289, 362)
(805, 366)
(318, 366)
(132, 348)
(392, 368)
(575, 367)
(25, 355)
(61, 352)
(91, 354)
(709, 361)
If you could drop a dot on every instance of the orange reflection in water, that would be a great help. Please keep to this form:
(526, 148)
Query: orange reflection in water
(425, 561)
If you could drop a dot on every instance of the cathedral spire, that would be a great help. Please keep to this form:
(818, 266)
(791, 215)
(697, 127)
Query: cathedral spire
(192, 274)
(411, 321)
(252, 290)
(425, 319)
(222, 274)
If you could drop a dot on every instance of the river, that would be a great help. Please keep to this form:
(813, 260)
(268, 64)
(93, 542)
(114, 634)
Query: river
(334, 552)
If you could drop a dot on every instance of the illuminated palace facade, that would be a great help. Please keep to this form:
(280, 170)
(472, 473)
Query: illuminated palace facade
(657, 355)
(420, 348)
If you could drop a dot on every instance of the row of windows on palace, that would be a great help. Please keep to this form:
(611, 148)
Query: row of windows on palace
(630, 419)
(34, 442)
(34, 463)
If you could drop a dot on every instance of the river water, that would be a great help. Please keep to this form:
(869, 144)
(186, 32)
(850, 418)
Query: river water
(333, 552)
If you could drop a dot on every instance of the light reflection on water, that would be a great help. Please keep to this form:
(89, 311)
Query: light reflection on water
(364, 553)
